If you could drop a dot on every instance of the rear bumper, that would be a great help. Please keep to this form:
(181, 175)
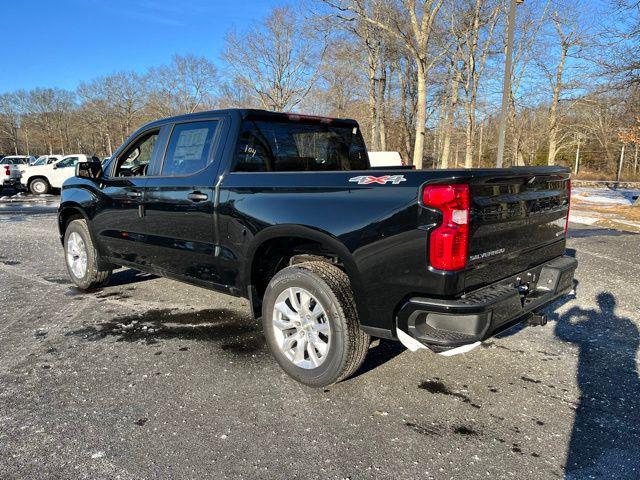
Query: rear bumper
(9, 181)
(445, 324)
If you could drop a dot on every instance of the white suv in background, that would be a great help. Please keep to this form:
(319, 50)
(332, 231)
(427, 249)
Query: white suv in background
(40, 179)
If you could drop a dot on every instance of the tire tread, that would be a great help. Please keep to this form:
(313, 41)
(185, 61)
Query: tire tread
(357, 341)
(96, 278)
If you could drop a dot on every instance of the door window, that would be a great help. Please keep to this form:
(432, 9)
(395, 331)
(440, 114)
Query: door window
(68, 162)
(189, 149)
(135, 161)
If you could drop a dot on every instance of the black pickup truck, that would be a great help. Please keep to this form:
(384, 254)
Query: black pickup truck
(284, 209)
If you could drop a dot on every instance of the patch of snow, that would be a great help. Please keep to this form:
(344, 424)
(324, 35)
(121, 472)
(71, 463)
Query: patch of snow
(606, 196)
(582, 219)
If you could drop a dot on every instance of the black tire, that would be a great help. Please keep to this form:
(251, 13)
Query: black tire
(39, 186)
(349, 344)
(93, 277)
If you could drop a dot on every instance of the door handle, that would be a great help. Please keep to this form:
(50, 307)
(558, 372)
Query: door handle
(197, 197)
(134, 194)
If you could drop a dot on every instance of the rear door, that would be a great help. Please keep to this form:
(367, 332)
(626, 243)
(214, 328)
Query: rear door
(179, 203)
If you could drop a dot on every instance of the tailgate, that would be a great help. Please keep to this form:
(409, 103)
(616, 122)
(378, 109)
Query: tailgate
(516, 222)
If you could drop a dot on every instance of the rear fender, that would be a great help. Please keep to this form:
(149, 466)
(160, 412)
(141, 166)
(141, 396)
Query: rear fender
(328, 243)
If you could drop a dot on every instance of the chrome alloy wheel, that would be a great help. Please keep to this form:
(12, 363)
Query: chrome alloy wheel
(301, 328)
(77, 255)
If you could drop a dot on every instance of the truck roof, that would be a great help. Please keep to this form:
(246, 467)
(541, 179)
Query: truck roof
(251, 113)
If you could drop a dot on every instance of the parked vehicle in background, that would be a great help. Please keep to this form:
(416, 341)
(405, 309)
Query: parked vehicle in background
(385, 159)
(9, 175)
(17, 160)
(45, 160)
(40, 179)
(286, 211)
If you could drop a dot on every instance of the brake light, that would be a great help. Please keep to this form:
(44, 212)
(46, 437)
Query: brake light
(7, 170)
(297, 117)
(448, 242)
(566, 223)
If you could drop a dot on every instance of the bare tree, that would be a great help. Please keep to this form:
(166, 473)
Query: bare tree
(278, 59)
(482, 18)
(121, 98)
(569, 38)
(10, 118)
(186, 85)
(411, 22)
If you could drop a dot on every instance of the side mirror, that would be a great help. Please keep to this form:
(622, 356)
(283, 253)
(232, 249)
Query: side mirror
(55, 166)
(89, 170)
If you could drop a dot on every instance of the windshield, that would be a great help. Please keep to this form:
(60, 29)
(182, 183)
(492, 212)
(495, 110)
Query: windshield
(291, 146)
(40, 161)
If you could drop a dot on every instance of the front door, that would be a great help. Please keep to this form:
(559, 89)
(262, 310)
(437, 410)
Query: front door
(179, 204)
(119, 220)
(62, 170)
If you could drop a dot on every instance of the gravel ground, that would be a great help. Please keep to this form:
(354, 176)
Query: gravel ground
(149, 378)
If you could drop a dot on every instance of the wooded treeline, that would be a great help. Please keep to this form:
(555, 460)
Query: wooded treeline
(423, 77)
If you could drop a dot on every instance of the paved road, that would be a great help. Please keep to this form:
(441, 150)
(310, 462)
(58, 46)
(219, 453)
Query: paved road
(149, 378)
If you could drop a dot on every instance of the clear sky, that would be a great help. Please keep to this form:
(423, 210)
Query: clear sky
(59, 43)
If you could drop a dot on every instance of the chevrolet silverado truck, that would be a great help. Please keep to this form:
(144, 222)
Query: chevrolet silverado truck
(284, 210)
(10, 171)
(40, 178)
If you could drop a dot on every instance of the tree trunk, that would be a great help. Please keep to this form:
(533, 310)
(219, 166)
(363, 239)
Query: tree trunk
(553, 113)
(480, 146)
(373, 103)
(26, 139)
(621, 163)
(449, 119)
(468, 155)
(421, 117)
(551, 158)
(380, 111)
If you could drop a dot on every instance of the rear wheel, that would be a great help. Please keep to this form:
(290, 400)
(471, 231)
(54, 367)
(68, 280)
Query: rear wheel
(39, 186)
(311, 324)
(81, 257)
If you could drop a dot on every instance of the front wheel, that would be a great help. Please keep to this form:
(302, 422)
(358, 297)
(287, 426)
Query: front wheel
(81, 257)
(311, 324)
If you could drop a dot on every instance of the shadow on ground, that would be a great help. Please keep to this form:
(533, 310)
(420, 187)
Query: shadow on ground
(605, 440)
(128, 276)
(596, 232)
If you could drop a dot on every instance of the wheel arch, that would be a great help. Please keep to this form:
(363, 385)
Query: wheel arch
(274, 248)
(67, 212)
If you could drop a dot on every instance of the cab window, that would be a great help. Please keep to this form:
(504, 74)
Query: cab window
(68, 162)
(135, 161)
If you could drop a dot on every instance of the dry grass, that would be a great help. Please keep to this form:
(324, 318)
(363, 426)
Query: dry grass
(631, 213)
(606, 176)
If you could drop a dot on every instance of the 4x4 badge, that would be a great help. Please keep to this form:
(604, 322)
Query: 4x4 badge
(367, 179)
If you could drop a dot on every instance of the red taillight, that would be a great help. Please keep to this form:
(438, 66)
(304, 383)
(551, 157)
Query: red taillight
(566, 223)
(448, 242)
(7, 170)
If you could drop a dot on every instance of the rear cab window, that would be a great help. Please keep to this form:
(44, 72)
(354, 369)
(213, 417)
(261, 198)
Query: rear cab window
(299, 144)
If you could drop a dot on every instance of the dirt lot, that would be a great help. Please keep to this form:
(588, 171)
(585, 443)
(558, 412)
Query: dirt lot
(150, 378)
